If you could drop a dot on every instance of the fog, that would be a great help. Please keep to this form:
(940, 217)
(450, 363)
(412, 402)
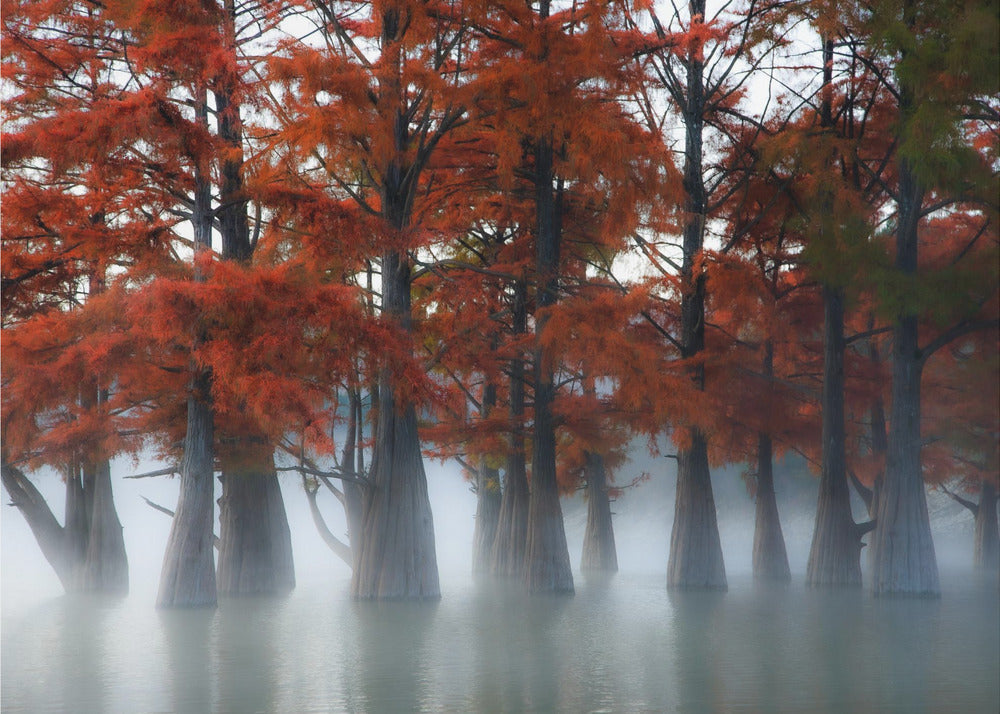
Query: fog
(622, 643)
(643, 516)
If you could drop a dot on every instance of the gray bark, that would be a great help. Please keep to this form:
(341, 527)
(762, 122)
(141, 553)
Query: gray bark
(903, 558)
(353, 493)
(547, 565)
(255, 546)
(770, 559)
(341, 549)
(188, 575)
(695, 548)
(986, 554)
(50, 536)
(255, 552)
(397, 558)
(599, 553)
(105, 564)
(77, 517)
(487, 499)
(507, 554)
(835, 555)
(87, 555)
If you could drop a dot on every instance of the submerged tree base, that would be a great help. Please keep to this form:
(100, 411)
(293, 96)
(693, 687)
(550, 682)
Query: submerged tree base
(188, 575)
(397, 559)
(547, 568)
(599, 552)
(695, 548)
(255, 546)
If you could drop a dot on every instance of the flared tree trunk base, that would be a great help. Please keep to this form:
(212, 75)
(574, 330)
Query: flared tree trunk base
(188, 575)
(255, 545)
(696, 561)
(105, 565)
(488, 501)
(903, 558)
(397, 559)
(904, 562)
(546, 567)
(986, 554)
(835, 555)
(507, 553)
(770, 558)
(95, 561)
(599, 552)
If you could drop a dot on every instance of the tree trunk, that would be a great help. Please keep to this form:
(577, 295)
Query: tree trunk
(50, 536)
(599, 553)
(340, 549)
(105, 565)
(986, 555)
(77, 521)
(398, 558)
(879, 437)
(987, 545)
(507, 554)
(903, 561)
(354, 505)
(547, 566)
(487, 498)
(835, 555)
(487, 517)
(90, 559)
(255, 545)
(770, 559)
(255, 552)
(188, 575)
(695, 548)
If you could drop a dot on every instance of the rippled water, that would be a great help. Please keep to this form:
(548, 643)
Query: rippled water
(621, 644)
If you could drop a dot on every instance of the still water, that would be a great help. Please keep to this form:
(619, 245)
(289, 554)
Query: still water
(620, 645)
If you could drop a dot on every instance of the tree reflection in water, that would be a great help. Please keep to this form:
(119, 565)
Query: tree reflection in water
(621, 644)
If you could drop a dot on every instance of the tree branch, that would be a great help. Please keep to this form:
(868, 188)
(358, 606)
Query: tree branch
(974, 507)
(963, 328)
(340, 549)
(166, 511)
(169, 471)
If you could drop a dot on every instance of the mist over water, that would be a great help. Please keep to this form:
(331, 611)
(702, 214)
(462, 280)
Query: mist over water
(620, 644)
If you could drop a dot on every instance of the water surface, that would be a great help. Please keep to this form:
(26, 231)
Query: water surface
(622, 644)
